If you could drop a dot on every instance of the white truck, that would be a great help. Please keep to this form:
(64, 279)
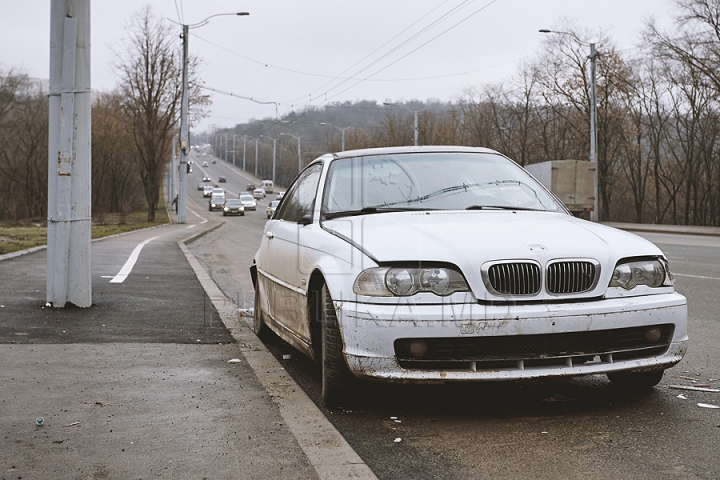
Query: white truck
(572, 181)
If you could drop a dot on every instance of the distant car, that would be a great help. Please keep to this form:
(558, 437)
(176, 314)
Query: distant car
(280, 195)
(201, 186)
(218, 192)
(258, 193)
(206, 178)
(207, 191)
(216, 203)
(268, 186)
(222, 179)
(233, 207)
(214, 161)
(205, 164)
(272, 206)
(250, 187)
(248, 201)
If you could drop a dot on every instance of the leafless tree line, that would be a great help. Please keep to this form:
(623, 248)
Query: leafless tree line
(132, 128)
(658, 119)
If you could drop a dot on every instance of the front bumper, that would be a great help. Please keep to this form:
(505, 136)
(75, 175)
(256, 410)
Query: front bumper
(475, 338)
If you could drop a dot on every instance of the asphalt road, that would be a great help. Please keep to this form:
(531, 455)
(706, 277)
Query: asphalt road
(562, 428)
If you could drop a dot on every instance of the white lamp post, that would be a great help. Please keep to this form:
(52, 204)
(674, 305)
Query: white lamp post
(184, 147)
(299, 151)
(595, 215)
(342, 129)
(415, 112)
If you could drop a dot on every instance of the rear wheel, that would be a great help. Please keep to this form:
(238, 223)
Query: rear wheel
(259, 327)
(337, 381)
(635, 381)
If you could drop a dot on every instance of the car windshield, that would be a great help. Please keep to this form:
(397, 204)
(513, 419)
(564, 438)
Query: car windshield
(431, 181)
(233, 203)
(246, 196)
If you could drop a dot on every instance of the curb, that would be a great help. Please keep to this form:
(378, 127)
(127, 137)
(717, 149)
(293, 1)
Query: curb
(326, 450)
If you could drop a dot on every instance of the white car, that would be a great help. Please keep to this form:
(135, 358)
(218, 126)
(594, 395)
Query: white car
(258, 193)
(248, 201)
(442, 264)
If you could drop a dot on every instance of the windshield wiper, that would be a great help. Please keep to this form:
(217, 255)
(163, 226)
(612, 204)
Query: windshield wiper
(367, 211)
(501, 207)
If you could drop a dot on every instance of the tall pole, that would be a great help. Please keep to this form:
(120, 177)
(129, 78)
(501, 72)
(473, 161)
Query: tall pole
(256, 156)
(244, 150)
(343, 138)
(299, 156)
(233, 150)
(595, 216)
(69, 146)
(183, 167)
(274, 157)
(416, 127)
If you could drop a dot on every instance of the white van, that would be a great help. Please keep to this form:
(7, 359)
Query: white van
(267, 185)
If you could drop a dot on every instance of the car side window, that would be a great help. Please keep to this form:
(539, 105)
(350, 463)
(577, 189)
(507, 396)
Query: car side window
(300, 198)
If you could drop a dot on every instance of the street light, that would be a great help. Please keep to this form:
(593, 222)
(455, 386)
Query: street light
(595, 215)
(184, 147)
(299, 152)
(274, 140)
(415, 112)
(342, 129)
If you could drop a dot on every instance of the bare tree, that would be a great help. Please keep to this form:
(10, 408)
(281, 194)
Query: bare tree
(151, 84)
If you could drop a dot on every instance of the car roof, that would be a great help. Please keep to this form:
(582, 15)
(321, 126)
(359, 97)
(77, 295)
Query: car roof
(410, 149)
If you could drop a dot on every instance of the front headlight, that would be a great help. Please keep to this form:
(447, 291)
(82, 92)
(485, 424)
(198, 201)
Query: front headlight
(226, 209)
(402, 282)
(651, 273)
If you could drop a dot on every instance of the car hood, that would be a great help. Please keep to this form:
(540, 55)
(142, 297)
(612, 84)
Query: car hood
(468, 239)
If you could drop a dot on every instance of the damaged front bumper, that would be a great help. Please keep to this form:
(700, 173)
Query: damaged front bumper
(473, 342)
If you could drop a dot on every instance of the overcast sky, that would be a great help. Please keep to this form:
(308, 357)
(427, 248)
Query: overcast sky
(293, 52)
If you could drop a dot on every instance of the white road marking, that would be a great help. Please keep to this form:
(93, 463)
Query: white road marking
(695, 276)
(191, 226)
(204, 220)
(127, 268)
(107, 276)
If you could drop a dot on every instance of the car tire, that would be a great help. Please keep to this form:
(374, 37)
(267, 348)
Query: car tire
(224, 214)
(635, 381)
(259, 327)
(337, 381)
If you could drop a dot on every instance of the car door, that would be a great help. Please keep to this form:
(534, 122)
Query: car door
(282, 266)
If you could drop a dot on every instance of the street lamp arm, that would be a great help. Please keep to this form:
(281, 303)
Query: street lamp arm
(207, 20)
(569, 34)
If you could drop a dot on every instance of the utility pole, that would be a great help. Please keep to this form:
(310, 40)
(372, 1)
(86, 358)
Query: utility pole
(595, 216)
(274, 140)
(244, 151)
(256, 156)
(183, 167)
(298, 148)
(69, 147)
(233, 150)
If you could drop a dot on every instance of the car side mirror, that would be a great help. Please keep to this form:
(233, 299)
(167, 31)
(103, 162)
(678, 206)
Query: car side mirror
(305, 220)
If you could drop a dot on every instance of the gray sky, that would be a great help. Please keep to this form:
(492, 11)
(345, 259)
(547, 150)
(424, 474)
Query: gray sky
(292, 52)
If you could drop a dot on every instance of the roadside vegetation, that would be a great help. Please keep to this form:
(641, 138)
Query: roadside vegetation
(28, 233)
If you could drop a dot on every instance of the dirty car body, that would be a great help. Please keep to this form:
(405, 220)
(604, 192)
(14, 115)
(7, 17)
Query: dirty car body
(437, 264)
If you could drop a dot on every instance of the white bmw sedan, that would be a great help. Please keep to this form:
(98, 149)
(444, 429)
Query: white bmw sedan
(440, 264)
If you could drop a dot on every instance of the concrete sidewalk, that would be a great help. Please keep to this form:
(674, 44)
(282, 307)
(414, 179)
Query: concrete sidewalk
(149, 381)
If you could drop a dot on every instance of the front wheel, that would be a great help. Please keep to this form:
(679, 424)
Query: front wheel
(337, 381)
(635, 381)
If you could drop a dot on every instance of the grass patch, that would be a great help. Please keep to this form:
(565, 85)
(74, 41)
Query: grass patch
(31, 233)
